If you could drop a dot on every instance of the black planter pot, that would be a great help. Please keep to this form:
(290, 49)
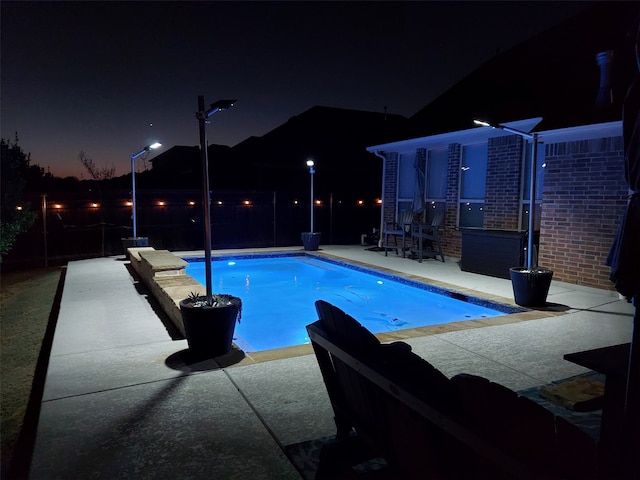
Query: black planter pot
(209, 330)
(131, 242)
(310, 241)
(530, 287)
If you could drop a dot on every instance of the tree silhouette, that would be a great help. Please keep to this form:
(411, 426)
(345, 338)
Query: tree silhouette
(15, 214)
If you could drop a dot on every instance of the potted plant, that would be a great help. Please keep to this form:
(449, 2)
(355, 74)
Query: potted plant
(311, 240)
(209, 327)
(530, 285)
(209, 320)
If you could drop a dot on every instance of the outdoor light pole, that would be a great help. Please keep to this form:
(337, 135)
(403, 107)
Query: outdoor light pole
(146, 149)
(44, 228)
(532, 181)
(202, 117)
(310, 164)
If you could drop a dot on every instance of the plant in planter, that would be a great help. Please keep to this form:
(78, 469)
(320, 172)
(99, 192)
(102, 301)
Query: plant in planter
(311, 240)
(209, 320)
(209, 327)
(530, 283)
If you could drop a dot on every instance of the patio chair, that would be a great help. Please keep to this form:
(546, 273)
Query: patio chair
(397, 230)
(425, 239)
(513, 422)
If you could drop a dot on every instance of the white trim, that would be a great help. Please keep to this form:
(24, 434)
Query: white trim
(469, 136)
(481, 134)
(584, 132)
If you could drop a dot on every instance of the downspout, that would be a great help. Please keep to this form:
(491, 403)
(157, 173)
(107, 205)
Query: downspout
(384, 176)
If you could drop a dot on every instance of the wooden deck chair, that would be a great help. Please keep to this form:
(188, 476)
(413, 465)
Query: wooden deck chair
(397, 231)
(353, 409)
(507, 420)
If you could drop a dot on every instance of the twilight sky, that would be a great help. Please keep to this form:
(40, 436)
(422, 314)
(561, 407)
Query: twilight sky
(109, 78)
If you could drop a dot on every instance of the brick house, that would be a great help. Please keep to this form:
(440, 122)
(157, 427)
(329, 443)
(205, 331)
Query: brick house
(580, 199)
(478, 176)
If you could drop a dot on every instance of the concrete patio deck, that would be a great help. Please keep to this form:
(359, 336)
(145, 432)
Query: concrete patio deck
(120, 401)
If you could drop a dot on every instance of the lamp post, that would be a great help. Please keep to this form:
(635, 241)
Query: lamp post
(311, 240)
(44, 228)
(203, 115)
(146, 149)
(532, 181)
(310, 164)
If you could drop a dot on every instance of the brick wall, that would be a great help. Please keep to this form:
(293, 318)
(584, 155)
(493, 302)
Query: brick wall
(583, 201)
(502, 200)
(390, 188)
(451, 239)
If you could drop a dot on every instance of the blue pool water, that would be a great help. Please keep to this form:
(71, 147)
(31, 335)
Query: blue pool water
(278, 295)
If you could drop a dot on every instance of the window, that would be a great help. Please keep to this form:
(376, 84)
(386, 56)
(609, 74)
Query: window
(525, 198)
(436, 184)
(473, 182)
(406, 182)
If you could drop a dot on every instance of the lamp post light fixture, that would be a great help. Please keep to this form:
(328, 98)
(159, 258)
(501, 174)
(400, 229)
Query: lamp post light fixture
(203, 115)
(310, 164)
(146, 149)
(311, 240)
(532, 181)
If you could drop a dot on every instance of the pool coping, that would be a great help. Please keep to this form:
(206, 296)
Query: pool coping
(234, 359)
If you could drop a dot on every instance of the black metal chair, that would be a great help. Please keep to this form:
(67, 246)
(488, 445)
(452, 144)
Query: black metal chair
(425, 239)
(398, 230)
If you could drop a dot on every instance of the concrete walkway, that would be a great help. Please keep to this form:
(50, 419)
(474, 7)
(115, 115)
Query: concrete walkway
(121, 402)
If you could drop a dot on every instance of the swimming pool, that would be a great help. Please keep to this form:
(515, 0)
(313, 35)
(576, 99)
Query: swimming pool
(279, 291)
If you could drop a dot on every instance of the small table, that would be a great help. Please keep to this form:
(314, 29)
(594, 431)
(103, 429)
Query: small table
(614, 363)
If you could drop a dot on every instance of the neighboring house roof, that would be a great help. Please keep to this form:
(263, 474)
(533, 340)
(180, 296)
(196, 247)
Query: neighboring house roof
(554, 75)
(334, 137)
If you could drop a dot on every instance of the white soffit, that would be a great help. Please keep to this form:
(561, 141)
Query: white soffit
(481, 134)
